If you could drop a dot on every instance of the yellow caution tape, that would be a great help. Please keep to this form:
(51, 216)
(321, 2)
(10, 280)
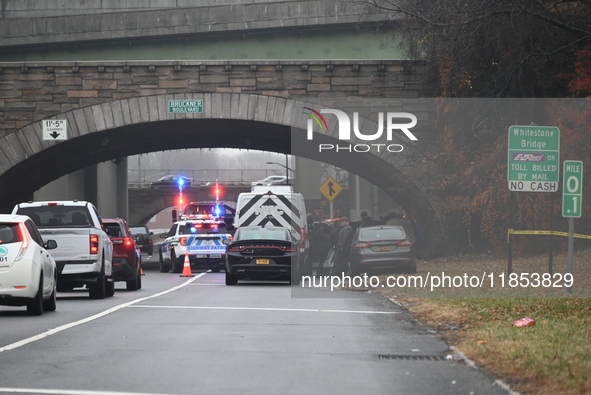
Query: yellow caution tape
(543, 232)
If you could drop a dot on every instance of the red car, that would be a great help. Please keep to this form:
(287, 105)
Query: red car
(127, 258)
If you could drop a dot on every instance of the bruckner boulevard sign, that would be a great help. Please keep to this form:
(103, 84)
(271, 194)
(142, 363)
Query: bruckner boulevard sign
(534, 157)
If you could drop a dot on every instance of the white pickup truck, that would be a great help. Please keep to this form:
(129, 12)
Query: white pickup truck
(84, 254)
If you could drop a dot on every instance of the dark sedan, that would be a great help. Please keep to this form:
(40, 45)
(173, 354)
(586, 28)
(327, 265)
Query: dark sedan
(384, 248)
(269, 253)
(171, 182)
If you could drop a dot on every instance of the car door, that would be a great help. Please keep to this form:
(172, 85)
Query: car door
(165, 247)
(45, 259)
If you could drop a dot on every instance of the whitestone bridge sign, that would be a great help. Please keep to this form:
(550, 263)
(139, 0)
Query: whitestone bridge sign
(534, 158)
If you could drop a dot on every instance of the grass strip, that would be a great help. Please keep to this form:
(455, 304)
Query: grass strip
(552, 357)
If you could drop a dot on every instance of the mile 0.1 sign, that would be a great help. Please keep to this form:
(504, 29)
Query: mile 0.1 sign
(533, 158)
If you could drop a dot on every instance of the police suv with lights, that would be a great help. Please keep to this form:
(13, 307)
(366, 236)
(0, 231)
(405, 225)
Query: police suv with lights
(200, 239)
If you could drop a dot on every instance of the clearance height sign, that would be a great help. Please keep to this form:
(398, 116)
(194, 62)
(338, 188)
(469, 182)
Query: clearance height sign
(534, 157)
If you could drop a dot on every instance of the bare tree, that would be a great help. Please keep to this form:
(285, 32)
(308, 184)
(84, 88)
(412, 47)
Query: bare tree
(491, 48)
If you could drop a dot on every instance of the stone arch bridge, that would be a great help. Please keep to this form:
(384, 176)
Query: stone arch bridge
(117, 109)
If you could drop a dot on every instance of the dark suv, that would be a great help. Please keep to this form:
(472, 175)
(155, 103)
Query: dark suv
(127, 259)
(143, 238)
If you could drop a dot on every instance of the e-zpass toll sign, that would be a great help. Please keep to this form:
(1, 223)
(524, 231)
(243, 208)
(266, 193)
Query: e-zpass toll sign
(533, 158)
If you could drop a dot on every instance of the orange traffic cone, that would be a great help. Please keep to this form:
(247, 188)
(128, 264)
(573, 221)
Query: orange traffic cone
(142, 270)
(187, 267)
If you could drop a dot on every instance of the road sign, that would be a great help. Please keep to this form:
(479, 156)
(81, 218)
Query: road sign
(55, 129)
(572, 188)
(533, 158)
(330, 189)
(185, 106)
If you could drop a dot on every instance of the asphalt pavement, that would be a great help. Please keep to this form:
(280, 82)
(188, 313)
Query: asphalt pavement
(195, 335)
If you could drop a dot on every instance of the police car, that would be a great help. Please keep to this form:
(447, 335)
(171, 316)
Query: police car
(199, 238)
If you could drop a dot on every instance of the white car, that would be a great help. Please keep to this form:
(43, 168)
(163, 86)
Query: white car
(27, 271)
(271, 180)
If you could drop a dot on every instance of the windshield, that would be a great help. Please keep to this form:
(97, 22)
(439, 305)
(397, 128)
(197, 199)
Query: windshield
(218, 210)
(201, 228)
(139, 230)
(9, 233)
(262, 234)
(382, 234)
(57, 216)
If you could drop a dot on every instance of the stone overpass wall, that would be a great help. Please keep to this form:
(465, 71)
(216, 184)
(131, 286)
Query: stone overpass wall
(30, 92)
(141, 20)
(50, 8)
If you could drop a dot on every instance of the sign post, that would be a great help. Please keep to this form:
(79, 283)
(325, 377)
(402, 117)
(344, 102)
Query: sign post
(534, 158)
(330, 189)
(572, 196)
(533, 165)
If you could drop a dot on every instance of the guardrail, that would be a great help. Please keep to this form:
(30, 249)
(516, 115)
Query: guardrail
(143, 177)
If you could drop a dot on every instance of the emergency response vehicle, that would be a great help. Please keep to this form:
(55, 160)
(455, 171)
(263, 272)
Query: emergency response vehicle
(199, 238)
(276, 206)
(212, 208)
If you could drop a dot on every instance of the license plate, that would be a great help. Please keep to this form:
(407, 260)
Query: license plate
(201, 256)
(384, 248)
(262, 261)
(215, 255)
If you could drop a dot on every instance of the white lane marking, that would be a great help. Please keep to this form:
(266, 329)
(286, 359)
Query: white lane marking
(70, 392)
(94, 317)
(266, 309)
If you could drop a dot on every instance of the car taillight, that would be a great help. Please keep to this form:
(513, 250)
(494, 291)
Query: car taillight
(288, 249)
(25, 242)
(362, 245)
(235, 249)
(94, 244)
(404, 243)
(127, 242)
(183, 241)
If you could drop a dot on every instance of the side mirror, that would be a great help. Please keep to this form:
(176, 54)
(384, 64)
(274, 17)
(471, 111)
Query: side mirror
(163, 235)
(50, 245)
(226, 241)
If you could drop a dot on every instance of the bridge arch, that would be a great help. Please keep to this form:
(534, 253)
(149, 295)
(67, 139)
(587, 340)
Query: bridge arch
(135, 125)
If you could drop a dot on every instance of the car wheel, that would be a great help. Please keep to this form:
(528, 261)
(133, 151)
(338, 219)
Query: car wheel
(133, 285)
(216, 270)
(98, 290)
(164, 267)
(110, 287)
(35, 306)
(177, 263)
(51, 303)
(295, 279)
(231, 279)
(413, 267)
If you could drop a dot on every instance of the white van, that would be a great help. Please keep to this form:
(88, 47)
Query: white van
(276, 207)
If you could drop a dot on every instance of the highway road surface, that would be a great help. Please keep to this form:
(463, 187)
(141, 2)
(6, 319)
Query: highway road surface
(195, 335)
